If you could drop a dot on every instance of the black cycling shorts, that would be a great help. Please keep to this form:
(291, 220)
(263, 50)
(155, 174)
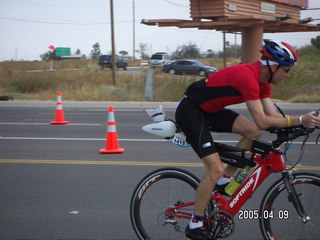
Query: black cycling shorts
(196, 124)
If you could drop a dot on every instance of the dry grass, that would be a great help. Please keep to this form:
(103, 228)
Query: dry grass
(78, 80)
(312, 98)
(82, 80)
(171, 88)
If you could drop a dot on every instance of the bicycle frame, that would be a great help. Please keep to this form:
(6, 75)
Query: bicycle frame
(265, 158)
(273, 162)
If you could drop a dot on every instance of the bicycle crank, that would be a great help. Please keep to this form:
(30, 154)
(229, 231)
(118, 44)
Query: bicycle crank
(221, 224)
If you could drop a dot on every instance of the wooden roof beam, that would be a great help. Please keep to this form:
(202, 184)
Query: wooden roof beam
(216, 24)
(156, 22)
(237, 23)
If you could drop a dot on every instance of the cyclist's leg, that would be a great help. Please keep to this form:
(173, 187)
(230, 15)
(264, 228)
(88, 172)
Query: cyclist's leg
(213, 171)
(227, 120)
(194, 122)
(248, 130)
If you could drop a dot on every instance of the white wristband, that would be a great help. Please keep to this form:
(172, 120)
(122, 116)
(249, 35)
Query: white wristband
(300, 120)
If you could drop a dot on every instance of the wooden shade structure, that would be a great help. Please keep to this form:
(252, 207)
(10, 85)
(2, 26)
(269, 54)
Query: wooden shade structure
(251, 17)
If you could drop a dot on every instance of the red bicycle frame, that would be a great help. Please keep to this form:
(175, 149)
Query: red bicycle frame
(273, 162)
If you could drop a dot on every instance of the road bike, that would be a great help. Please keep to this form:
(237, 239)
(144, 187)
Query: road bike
(162, 203)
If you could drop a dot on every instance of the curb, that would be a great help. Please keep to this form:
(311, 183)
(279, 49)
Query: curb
(88, 104)
(311, 106)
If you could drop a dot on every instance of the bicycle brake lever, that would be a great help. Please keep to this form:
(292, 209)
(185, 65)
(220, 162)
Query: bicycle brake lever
(279, 110)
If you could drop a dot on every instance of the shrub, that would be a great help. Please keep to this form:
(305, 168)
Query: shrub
(33, 83)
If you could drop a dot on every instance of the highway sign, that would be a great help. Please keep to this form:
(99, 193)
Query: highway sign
(63, 51)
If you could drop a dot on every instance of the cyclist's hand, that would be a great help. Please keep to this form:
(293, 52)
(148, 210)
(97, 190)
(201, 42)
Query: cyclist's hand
(311, 119)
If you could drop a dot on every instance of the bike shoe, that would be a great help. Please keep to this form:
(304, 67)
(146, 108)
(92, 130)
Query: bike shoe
(201, 233)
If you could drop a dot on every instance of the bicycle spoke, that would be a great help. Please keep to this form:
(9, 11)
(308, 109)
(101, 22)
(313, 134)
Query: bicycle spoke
(153, 214)
(293, 226)
(162, 200)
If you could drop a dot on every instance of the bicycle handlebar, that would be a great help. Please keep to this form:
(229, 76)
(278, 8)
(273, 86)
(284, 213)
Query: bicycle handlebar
(286, 134)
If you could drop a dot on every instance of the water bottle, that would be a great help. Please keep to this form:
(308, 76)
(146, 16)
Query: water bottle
(235, 183)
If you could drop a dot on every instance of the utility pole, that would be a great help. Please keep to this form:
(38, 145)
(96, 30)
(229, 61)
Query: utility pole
(224, 50)
(113, 45)
(134, 29)
(235, 45)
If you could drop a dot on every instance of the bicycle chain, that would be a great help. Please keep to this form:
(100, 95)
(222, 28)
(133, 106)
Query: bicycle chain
(221, 224)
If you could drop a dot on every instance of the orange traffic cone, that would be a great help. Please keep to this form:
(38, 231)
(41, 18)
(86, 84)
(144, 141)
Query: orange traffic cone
(112, 145)
(59, 119)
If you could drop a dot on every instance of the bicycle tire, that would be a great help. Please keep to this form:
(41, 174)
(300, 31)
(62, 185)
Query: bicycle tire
(155, 193)
(279, 219)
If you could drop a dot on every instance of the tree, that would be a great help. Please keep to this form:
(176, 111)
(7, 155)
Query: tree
(50, 55)
(78, 52)
(231, 51)
(316, 42)
(144, 50)
(210, 53)
(96, 52)
(123, 53)
(189, 50)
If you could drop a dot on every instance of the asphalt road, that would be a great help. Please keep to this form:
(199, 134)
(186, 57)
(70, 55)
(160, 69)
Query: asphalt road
(56, 185)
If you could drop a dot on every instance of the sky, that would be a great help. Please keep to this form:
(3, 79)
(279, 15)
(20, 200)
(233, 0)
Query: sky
(28, 27)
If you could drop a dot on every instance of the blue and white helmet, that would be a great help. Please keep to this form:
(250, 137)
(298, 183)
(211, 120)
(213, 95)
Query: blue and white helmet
(280, 52)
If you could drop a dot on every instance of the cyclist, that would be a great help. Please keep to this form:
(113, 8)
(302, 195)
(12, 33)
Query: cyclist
(202, 110)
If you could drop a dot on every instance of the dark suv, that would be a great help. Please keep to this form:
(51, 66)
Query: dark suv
(105, 61)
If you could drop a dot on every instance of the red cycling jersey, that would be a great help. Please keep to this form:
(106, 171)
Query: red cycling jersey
(231, 85)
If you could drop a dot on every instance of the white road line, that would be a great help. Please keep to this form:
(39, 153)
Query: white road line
(72, 124)
(78, 139)
(121, 139)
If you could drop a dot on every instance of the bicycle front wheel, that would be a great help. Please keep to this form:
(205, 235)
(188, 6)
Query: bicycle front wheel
(154, 195)
(279, 219)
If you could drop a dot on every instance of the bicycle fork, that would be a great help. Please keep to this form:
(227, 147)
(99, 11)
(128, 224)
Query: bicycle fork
(293, 196)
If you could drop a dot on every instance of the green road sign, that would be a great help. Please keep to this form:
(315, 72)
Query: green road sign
(63, 51)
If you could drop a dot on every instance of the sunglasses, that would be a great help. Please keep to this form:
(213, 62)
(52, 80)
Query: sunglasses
(286, 70)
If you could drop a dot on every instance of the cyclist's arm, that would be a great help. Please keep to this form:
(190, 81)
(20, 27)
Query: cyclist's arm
(265, 115)
(269, 108)
(309, 120)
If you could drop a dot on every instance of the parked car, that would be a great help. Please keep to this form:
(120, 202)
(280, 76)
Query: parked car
(105, 61)
(188, 67)
(159, 59)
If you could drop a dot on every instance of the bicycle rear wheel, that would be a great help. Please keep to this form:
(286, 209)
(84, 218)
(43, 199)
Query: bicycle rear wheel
(157, 192)
(280, 220)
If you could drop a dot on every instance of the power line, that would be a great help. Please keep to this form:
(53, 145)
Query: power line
(128, 21)
(56, 22)
(292, 36)
(62, 4)
(175, 4)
